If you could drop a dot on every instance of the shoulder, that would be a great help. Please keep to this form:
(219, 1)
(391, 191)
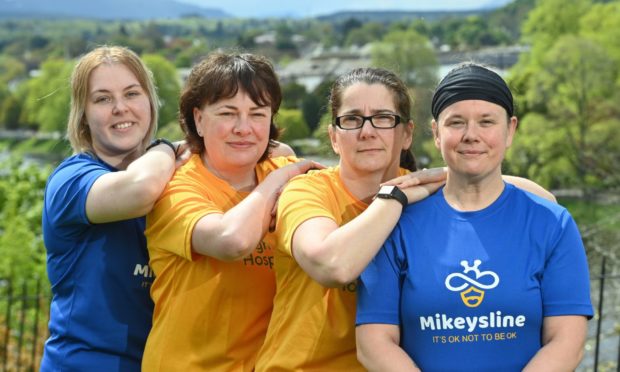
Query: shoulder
(82, 167)
(270, 164)
(318, 177)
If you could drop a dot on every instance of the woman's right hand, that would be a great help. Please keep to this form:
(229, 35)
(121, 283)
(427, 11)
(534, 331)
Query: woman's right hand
(285, 174)
(420, 184)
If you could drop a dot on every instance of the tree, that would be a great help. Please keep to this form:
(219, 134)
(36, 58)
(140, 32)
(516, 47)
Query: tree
(46, 97)
(575, 97)
(168, 87)
(293, 125)
(21, 201)
(409, 54)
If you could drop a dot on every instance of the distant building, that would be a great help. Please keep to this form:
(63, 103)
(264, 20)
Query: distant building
(321, 63)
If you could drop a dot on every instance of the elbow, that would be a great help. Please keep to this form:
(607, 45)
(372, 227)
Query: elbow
(335, 275)
(340, 277)
(235, 247)
(147, 189)
(362, 357)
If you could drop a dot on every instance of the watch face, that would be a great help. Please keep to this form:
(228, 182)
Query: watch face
(386, 190)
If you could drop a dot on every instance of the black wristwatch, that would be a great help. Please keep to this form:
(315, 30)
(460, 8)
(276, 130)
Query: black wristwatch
(158, 141)
(393, 192)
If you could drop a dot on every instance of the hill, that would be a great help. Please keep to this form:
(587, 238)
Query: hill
(104, 10)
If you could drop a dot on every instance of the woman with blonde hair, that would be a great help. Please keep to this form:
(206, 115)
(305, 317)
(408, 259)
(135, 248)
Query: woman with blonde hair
(93, 216)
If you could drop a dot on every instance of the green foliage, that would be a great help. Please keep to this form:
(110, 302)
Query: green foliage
(567, 94)
(46, 97)
(21, 201)
(409, 54)
(293, 124)
(168, 87)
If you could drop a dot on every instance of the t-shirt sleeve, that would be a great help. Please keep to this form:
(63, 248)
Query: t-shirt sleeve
(67, 191)
(171, 221)
(379, 289)
(566, 280)
(300, 201)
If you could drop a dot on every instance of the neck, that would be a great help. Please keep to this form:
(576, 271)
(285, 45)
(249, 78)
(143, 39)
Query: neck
(242, 179)
(465, 193)
(365, 185)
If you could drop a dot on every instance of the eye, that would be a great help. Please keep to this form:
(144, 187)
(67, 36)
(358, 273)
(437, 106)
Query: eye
(455, 123)
(102, 99)
(133, 93)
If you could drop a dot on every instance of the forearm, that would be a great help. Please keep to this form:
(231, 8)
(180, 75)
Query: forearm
(346, 251)
(554, 357)
(236, 233)
(378, 348)
(131, 192)
(387, 358)
(563, 340)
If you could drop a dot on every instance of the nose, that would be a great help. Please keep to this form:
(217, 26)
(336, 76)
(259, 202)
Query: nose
(367, 129)
(119, 106)
(242, 125)
(471, 132)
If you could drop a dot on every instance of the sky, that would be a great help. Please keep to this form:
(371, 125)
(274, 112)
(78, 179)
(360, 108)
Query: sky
(308, 8)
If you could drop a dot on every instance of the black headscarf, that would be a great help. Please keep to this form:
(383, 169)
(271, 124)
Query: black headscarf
(471, 82)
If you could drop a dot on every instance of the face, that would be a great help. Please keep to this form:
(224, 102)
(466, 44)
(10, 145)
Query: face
(235, 132)
(473, 136)
(118, 112)
(370, 150)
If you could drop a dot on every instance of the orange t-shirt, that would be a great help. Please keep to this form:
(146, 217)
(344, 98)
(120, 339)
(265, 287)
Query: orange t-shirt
(209, 315)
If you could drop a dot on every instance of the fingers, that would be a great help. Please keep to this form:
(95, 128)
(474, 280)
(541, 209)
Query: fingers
(419, 192)
(419, 177)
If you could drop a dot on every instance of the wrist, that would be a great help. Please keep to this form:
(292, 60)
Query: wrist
(393, 192)
(162, 141)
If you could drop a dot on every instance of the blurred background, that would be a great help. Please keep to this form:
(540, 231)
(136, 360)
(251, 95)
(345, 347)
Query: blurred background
(561, 59)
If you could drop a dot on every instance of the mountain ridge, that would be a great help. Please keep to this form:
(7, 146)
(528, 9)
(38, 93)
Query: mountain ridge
(111, 10)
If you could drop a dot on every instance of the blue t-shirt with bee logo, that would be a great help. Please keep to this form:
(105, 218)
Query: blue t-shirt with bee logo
(469, 290)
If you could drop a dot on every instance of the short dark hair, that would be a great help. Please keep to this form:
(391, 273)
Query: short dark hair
(220, 76)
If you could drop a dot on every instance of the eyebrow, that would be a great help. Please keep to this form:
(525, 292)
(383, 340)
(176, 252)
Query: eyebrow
(103, 90)
(373, 112)
(233, 107)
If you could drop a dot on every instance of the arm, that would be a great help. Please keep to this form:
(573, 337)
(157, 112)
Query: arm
(232, 235)
(319, 244)
(531, 186)
(378, 348)
(563, 339)
(132, 192)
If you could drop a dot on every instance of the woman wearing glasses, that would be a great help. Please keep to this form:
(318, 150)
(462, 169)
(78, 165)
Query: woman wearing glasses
(330, 224)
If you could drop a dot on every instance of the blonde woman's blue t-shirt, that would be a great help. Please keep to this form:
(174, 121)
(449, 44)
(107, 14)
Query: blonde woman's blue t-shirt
(101, 311)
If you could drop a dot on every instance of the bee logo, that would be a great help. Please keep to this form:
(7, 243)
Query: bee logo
(472, 290)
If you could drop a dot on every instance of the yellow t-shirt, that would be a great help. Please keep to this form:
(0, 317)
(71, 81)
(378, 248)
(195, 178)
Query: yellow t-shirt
(209, 315)
(312, 327)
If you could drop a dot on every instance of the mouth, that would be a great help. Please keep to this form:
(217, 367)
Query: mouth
(123, 125)
(371, 150)
(241, 145)
(471, 152)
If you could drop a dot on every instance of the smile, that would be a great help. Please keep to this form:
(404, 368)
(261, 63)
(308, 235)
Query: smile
(123, 125)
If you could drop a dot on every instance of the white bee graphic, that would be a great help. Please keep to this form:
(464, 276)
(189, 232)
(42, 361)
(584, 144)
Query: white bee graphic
(472, 290)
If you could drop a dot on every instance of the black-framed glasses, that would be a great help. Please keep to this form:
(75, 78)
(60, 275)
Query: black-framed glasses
(379, 121)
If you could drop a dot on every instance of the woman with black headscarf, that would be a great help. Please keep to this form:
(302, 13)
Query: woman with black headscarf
(480, 276)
